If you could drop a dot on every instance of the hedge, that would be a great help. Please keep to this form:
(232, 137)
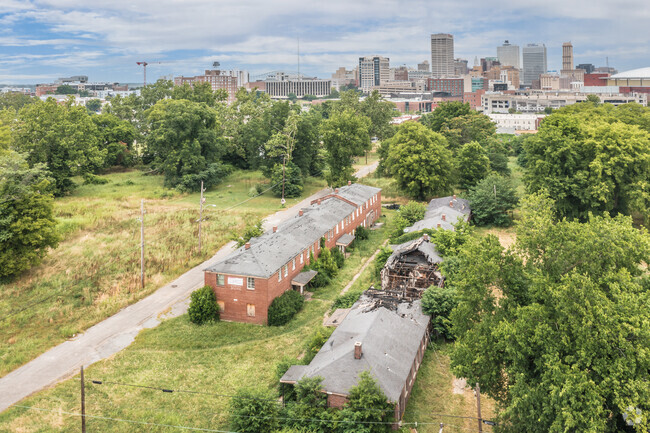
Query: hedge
(284, 307)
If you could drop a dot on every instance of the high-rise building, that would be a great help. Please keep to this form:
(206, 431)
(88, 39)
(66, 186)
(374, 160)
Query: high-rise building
(587, 67)
(424, 66)
(567, 56)
(508, 55)
(373, 71)
(442, 55)
(534, 62)
(460, 67)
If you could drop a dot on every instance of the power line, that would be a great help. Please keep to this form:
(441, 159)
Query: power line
(124, 420)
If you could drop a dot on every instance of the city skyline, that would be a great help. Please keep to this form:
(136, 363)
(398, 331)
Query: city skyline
(40, 42)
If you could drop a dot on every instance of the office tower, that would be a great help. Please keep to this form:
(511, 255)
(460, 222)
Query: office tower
(424, 66)
(460, 67)
(442, 55)
(587, 67)
(509, 55)
(567, 56)
(534, 62)
(373, 71)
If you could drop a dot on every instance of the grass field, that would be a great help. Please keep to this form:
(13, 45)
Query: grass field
(215, 358)
(95, 270)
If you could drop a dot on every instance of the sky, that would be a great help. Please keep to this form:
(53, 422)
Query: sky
(42, 40)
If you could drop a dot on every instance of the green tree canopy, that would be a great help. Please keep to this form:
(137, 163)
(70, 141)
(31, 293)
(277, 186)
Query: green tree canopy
(65, 89)
(15, 100)
(589, 161)
(63, 137)
(556, 330)
(380, 112)
(367, 404)
(345, 135)
(419, 160)
(444, 112)
(491, 199)
(116, 138)
(473, 164)
(184, 138)
(27, 223)
(94, 105)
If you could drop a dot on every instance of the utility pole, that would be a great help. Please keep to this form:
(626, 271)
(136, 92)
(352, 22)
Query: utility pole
(142, 243)
(83, 402)
(201, 215)
(284, 163)
(478, 406)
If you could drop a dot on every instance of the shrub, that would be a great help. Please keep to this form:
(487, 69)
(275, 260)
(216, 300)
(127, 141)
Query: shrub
(247, 408)
(293, 184)
(361, 233)
(413, 211)
(338, 256)
(315, 342)
(287, 390)
(346, 300)
(91, 179)
(250, 231)
(203, 306)
(438, 302)
(367, 404)
(491, 199)
(284, 307)
(381, 259)
(212, 176)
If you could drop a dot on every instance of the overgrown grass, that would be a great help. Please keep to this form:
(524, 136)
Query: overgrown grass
(433, 394)
(517, 174)
(390, 191)
(214, 358)
(95, 270)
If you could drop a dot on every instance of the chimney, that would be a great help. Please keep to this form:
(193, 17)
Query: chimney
(336, 191)
(451, 203)
(444, 218)
(247, 245)
(454, 196)
(349, 182)
(357, 350)
(275, 229)
(425, 237)
(301, 213)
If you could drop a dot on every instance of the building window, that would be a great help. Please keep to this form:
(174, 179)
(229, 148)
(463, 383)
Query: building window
(286, 270)
(250, 310)
(337, 229)
(280, 275)
(250, 283)
(220, 280)
(301, 259)
(293, 264)
(222, 305)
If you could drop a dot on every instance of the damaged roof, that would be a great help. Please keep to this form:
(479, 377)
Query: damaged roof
(427, 248)
(390, 342)
(269, 252)
(451, 208)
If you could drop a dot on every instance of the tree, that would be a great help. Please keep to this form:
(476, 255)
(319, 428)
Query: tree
(94, 105)
(15, 100)
(116, 138)
(65, 89)
(444, 112)
(281, 145)
(474, 126)
(334, 93)
(497, 153)
(380, 112)
(308, 152)
(292, 97)
(310, 407)
(309, 97)
(63, 137)
(345, 135)
(491, 199)
(254, 230)
(594, 99)
(412, 211)
(556, 329)
(287, 181)
(27, 223)
(439, 303)
(367, 404)
(420, 161)
(473, 164)
(7, 120)
(590, 162)
(199, 92)
(203, 306)
(254, 411)
(184, 139)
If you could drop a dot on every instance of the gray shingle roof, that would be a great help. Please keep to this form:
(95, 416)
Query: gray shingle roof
(390, 342)
(459, 204)
(424, 246)
(271, 251)
(345, 240)
(304, 277)
(439, 207)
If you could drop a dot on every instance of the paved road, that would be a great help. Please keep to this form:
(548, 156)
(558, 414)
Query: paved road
(118, 331)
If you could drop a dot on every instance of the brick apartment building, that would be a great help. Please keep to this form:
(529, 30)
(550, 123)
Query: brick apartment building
(219, 80)
(247, 281)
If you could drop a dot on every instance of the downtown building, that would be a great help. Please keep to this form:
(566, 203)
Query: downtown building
(373, 72)
(508, 55)
(230, 81)
(442, 55)
(281, 85)
(534, 63)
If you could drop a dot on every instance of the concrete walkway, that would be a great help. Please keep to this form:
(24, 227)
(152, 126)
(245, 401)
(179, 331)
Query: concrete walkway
(118, 331)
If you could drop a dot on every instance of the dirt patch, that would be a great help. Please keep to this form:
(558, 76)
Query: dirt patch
(507, 237)
(458, 385)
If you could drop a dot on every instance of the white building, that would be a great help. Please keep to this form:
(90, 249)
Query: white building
(373, 71)
(509, 55)
(510, 123)
(442, 55)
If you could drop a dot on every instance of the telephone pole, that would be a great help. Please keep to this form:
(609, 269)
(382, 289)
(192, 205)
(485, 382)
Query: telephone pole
(142, 243)
(478, 406)
(83, 402)
(201, 214)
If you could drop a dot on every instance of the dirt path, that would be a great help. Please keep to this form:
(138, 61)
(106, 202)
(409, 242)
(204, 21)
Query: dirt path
(118, 331)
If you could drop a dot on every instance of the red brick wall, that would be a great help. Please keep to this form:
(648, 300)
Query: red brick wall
(595, 79)
(335, 400)
(236, 298)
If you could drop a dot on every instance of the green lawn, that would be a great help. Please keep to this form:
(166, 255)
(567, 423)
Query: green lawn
(215, 358)
(95, 270)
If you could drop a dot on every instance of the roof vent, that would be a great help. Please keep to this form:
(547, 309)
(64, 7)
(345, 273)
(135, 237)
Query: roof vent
(357, 350)
(247, 245)
(451, 203)
(275, 229)
(444, 218)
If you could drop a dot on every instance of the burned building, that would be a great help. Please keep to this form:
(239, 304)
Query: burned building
(412, 268)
